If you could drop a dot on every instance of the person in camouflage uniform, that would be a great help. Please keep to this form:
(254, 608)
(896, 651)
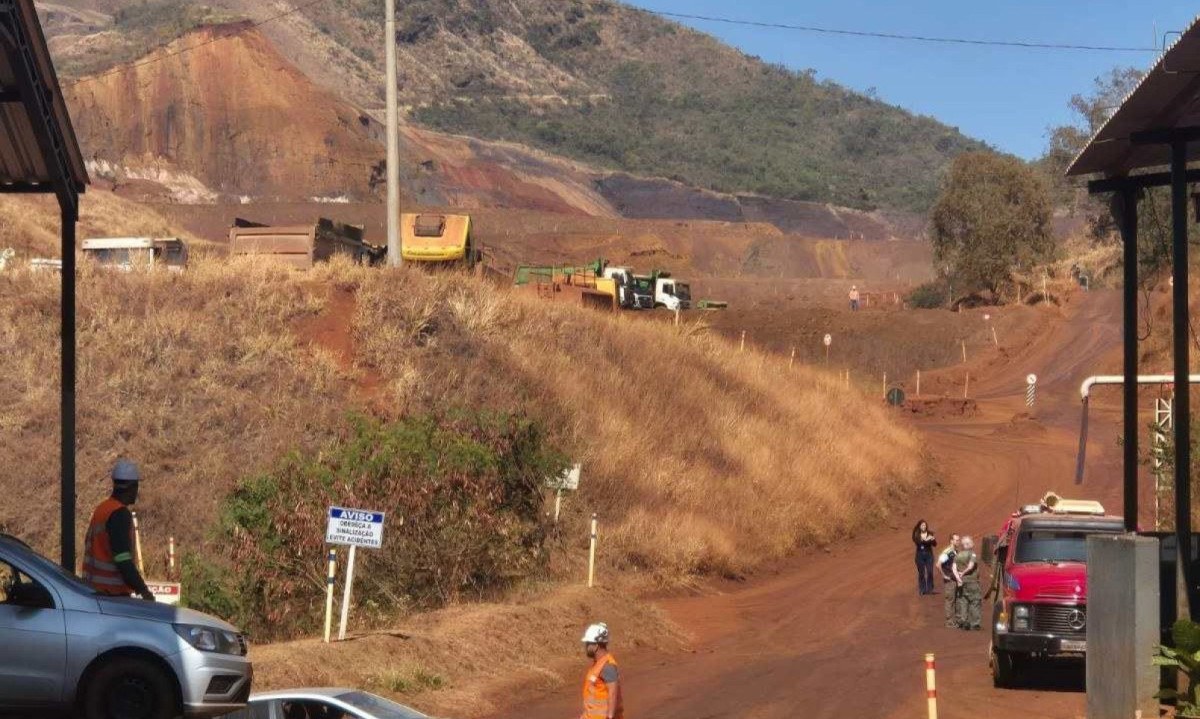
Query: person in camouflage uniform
(969, 598)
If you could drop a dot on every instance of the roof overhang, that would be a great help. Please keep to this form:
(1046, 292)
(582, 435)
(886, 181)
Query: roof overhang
(38, 148)
(1162, 104)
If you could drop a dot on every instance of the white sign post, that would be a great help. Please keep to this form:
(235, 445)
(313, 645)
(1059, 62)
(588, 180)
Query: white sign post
(356, 528)
(828, 341)
(568, 481)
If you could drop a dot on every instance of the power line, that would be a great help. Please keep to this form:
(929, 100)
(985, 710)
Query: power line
(896, 36)
(184, 50)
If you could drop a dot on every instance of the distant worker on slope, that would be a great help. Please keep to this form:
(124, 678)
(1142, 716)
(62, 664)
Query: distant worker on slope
(601, 691)
(854, 297)
(108, 551)
(969, 603)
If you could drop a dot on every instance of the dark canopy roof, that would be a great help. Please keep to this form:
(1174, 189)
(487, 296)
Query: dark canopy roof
(38, 149)
(1166, 99)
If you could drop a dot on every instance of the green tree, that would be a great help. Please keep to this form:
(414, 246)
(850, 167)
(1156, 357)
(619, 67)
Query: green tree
(993, 217)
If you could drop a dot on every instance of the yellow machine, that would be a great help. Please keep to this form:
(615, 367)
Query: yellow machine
(437, 238)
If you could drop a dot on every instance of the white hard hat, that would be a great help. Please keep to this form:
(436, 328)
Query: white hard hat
(596, 634)
(125, 471)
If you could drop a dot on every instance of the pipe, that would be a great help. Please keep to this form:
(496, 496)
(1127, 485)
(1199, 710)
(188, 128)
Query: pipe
(1086, 387)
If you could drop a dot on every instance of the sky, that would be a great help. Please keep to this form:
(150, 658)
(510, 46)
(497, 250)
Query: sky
(1006, 97)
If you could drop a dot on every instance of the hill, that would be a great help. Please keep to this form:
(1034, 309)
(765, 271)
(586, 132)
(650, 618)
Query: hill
(592, 80)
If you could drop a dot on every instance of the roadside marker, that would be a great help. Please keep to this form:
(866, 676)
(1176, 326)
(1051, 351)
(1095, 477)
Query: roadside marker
(592, 554)
(931, 686)
(1030, 389)
(742, 348)
(918, 383)
(792, 359)
(329, 578)
(171, 557)
(966, 384)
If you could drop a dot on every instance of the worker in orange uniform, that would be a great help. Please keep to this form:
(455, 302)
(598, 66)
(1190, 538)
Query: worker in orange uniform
(108, 548)
(601, 689)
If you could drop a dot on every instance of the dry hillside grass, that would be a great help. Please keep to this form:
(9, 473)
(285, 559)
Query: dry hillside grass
(696, 457)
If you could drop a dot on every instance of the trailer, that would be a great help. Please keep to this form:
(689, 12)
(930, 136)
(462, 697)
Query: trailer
(301, 246)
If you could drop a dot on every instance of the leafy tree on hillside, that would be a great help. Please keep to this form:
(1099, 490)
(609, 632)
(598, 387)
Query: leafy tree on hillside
(993, 217)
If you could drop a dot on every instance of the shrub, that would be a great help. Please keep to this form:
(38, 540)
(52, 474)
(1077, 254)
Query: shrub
(463, 493)
(928, 296)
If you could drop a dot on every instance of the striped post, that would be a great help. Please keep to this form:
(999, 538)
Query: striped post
(1030, 390)
(592, 555)
(329, 577)
(930, 686)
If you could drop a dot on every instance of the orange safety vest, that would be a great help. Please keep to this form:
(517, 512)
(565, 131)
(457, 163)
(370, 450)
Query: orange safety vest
(99, 569)
(595, 692)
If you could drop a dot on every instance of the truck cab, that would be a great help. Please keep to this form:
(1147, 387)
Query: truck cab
(1040, 584)
(672, 294)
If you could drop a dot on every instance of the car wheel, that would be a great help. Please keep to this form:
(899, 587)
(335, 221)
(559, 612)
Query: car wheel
(1004, 669)
(129, 688)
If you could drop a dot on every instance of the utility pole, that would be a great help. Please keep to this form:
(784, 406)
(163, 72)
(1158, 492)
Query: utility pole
(393, 139)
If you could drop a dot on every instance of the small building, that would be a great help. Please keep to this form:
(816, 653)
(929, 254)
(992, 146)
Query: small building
(130, 253)
(301, 246)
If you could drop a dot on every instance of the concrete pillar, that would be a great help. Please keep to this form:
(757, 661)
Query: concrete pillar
(1122, 626)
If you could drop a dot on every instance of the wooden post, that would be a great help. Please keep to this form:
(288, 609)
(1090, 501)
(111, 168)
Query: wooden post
(918, 383)
(964, 351)
(995, 339)
(346, 594)
(966, 384)
(137, 544)
(792, 359)
(742, 347)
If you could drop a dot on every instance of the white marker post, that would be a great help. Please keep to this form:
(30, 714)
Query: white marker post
(828, 341)
(137, 544)
(356, 528)
(1030, 389)
(742, 347)
(792, 359)
(171, 557)
(918, 383)
(330, 575)
(592, 555)
(931, 686)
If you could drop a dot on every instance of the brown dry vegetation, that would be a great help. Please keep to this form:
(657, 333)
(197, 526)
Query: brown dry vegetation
(697, 458)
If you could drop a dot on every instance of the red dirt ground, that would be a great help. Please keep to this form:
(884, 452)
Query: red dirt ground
(843, 633)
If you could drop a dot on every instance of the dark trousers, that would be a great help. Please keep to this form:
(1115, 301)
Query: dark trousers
(925, 572)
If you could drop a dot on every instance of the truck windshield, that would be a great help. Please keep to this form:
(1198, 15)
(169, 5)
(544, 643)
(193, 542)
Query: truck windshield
(1051, 545)
(683, 292)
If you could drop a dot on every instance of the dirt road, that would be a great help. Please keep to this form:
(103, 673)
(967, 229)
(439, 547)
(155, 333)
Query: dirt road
(843, 633)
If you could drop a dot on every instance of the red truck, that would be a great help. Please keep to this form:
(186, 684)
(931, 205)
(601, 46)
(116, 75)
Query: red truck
(1040, 583)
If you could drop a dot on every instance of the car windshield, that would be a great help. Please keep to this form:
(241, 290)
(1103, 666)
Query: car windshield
(379, 707)
(1051, 545)
(45, 565)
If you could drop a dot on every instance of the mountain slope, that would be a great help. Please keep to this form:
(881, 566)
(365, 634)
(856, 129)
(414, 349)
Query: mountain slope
(593, 80)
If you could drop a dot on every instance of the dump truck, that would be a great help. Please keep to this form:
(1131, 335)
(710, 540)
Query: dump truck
(435, 239)
(301, 246)
(665, 290)
(130, 253)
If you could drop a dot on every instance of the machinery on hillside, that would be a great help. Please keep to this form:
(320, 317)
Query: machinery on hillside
(130, 253)
(438, 240)
(301, 246)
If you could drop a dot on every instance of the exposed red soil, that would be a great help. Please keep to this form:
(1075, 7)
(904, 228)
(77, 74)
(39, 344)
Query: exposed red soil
(332, 331)
(843, 633)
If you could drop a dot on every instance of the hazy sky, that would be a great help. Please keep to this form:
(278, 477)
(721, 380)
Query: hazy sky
(1004, 96)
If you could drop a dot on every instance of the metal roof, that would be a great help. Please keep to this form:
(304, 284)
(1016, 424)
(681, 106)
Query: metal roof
(38, 148)
(1165, 99)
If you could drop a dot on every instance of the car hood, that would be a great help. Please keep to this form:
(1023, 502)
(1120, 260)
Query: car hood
(1066, 582)
(155, 612)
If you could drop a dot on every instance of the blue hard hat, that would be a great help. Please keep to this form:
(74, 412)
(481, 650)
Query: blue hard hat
(125, 471)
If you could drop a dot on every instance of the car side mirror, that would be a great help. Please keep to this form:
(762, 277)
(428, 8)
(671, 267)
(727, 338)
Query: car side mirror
(989, 549)
(30, 595)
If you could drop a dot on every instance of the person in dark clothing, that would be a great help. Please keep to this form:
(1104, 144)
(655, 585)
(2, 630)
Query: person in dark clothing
(924, 541)
(109, 562)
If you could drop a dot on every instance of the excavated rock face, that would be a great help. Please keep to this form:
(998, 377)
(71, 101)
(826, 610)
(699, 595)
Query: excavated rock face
(231, 113)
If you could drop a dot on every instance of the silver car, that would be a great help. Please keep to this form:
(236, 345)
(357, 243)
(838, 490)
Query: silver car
(326, 703)
(66, 650)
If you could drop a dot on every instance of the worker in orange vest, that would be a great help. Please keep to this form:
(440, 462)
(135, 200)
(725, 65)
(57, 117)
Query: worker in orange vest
(109, 564)
(601, 691)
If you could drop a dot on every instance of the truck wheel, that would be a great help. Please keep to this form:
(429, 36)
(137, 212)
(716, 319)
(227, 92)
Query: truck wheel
(129, 688)
(1004, 669)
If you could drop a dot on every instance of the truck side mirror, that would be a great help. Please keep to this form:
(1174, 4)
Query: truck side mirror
(989, 548)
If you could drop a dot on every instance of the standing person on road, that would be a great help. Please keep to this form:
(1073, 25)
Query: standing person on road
(949, 583)
(108, 548)
(854, 297)
(925, 542)
(970, 596)
(601, 689)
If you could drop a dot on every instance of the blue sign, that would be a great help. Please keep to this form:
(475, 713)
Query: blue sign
(355, 527)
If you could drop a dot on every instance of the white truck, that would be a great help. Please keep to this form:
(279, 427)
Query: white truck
(628, 295)
(672, 294)
(129, 253)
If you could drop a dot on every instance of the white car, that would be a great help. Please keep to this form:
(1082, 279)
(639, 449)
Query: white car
(324, 703)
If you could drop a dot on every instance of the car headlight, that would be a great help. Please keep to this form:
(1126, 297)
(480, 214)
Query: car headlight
(211, 639)
(1021, 612)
